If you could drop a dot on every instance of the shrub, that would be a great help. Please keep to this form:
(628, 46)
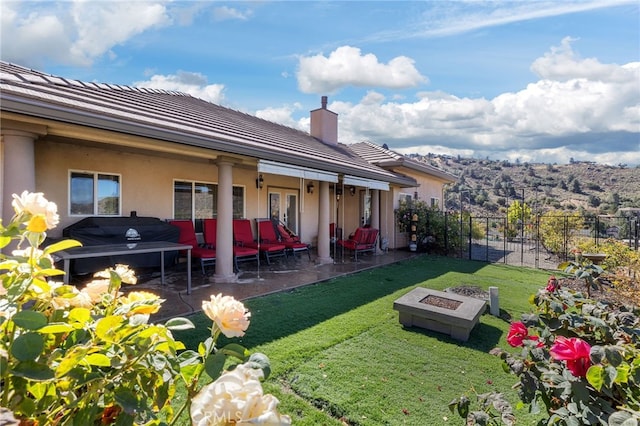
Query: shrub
(92, 356)
(579, 361)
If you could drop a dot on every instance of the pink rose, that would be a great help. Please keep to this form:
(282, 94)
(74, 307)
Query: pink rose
(575, 352)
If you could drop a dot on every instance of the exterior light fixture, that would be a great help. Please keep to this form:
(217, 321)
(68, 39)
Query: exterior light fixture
(259, 182)
(310, 188)
(415, 195)
(338, 193)
(352, 190)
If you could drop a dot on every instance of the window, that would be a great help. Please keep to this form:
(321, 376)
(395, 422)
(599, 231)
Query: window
(435, 202)
(404, 197)
(93, 193)
(197, 201)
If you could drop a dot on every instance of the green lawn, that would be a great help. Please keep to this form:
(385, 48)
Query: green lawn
(338, 353)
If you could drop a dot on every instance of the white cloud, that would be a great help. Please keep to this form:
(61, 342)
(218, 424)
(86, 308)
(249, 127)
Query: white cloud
(31, 35)
(284, 115)
(580, 108)
(562, 63)
(458, 17)
(102, 25)
(225, 13)
(74, 33)
(194, 84)
(347, 66)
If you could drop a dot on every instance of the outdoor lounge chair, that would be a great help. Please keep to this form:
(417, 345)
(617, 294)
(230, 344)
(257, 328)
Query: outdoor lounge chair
(361, 241)
(243, 236)
(206, 256)
(272, 230)
(239, 253)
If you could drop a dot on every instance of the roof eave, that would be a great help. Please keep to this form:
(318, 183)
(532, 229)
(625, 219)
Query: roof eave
(29, 107)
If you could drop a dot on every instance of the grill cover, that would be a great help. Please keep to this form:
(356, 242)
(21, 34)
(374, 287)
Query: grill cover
(93, 231)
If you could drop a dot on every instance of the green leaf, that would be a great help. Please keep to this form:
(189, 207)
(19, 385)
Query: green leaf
(622, 418)
(623, 373)
(80, 315)
(595, 376)
(59, 327)
(214, 364)
(27, 347)
(189, 372)
(236, 350)
(613, 355)
(127, 400)
(261, 361)
(179, 323)
(33, 371)
(61, 245)
(98, 359)
(71, 359)
(188, 358)
(30, 320)
(106, 327)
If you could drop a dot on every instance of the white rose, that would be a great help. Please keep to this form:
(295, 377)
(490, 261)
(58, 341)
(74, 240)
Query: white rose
(229, 315)
(96, 289)
(34, 203)
(236, 398)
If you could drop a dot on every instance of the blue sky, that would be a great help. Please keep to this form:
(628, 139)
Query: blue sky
(531, 81)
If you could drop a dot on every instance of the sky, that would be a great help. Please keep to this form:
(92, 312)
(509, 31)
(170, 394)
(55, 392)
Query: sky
(522, 81)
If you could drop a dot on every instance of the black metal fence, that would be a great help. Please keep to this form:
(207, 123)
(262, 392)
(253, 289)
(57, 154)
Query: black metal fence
(540, 242)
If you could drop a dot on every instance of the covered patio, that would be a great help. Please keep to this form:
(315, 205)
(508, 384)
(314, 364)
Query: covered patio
(253, 281)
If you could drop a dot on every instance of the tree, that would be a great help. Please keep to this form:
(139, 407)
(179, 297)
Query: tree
(576, 189)
(555, 226)
(517, 215)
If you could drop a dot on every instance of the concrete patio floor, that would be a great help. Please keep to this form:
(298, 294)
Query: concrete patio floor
(253, 281)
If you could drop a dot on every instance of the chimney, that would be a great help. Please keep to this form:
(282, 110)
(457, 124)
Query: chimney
(324, 124)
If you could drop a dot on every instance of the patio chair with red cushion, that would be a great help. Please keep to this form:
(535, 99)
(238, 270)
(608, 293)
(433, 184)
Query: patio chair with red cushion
(240, 254)
(206, 256)
(361, 241)
(243, 236)
(272, 230)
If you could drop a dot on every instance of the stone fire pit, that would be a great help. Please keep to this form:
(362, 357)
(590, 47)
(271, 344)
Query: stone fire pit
(447, 313)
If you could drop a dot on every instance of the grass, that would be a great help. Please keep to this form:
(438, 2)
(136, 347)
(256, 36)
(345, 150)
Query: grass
(339, 355)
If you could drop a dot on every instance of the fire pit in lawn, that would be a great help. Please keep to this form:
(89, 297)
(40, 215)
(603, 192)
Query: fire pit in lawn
(447, 313)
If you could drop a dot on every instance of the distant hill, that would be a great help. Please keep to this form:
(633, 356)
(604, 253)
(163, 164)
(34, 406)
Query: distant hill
(587, 187)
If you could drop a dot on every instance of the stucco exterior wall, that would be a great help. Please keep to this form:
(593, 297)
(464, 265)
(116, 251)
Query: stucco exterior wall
(429, 187)
(147, 182)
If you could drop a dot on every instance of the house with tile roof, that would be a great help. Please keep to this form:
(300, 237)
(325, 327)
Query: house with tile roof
(111, 150)
(429, 179)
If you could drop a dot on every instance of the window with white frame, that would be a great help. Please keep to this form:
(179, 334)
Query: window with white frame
(94, 193)
(404, 197)
(199, 200)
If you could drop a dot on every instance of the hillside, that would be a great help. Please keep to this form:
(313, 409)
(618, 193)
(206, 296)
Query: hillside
(580, 186)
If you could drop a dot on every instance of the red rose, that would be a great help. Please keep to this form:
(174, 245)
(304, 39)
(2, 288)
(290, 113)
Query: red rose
(518, 333)
(575, 352)
(552, 284)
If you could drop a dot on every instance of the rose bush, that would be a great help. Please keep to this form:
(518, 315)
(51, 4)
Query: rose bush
(92, 356)
(579, 360)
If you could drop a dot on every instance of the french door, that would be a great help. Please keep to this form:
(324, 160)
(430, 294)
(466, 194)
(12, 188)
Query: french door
(283, 205)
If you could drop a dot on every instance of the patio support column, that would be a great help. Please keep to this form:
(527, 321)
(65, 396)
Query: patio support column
(224, 244)
(18, 170)
(375, 214)
(324, 249)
